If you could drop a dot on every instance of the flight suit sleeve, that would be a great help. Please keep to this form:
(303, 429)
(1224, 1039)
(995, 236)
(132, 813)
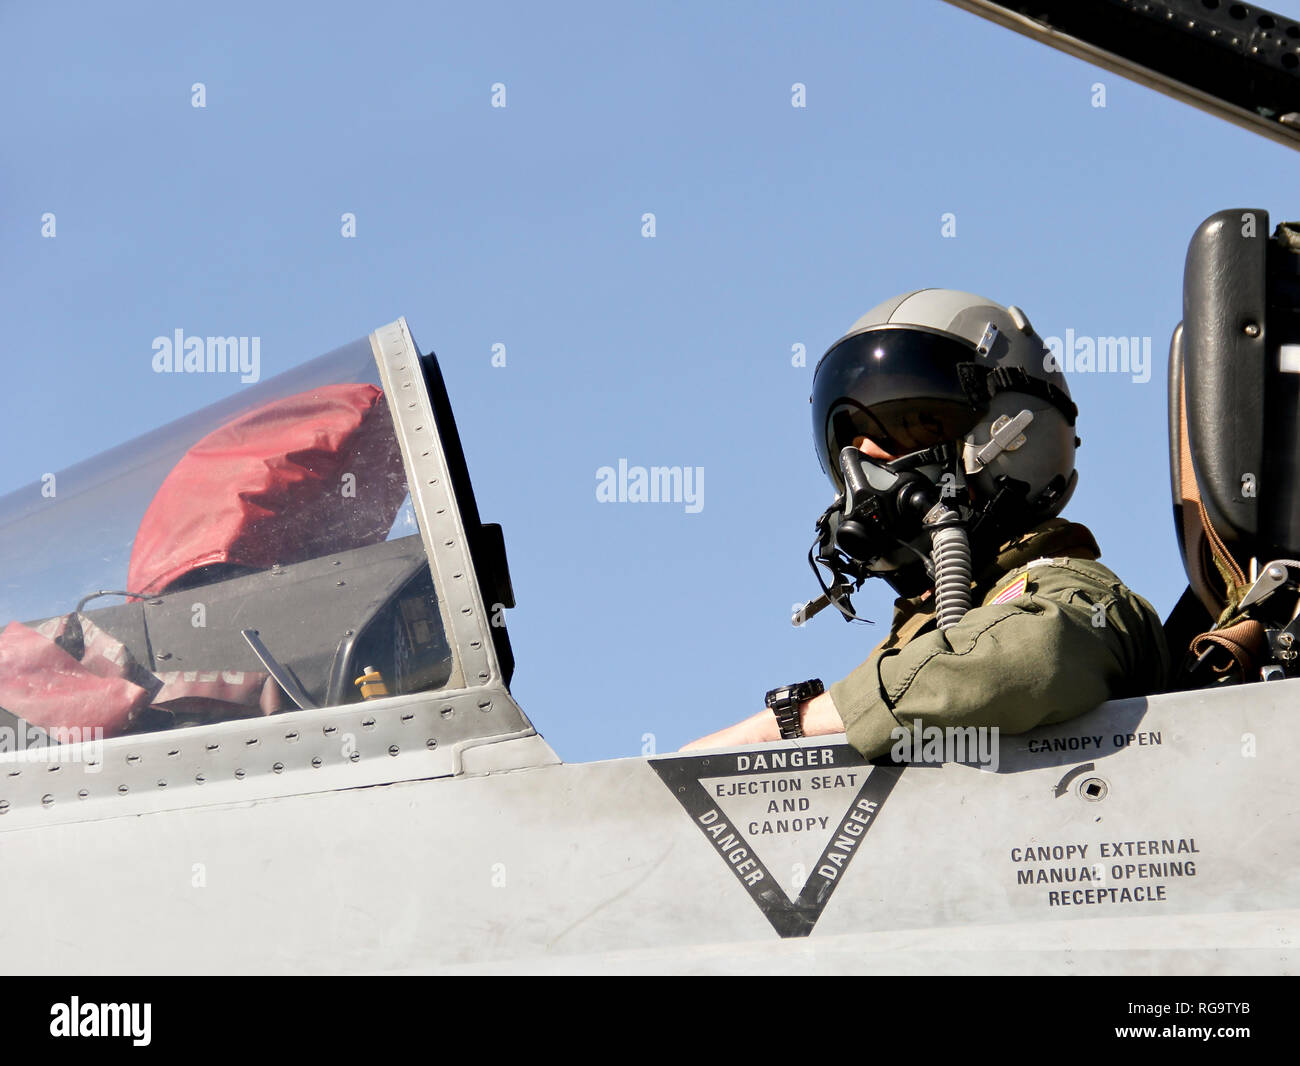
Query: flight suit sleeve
(1075, 638)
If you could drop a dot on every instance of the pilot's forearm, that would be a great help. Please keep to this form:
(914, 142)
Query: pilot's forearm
(818, 715)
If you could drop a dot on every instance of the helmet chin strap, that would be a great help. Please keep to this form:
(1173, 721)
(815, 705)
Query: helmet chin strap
(939, 455)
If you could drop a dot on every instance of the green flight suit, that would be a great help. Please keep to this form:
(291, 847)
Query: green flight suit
(1072, 639)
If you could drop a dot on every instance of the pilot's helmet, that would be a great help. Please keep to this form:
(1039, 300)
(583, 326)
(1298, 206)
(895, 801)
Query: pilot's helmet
(937, 366)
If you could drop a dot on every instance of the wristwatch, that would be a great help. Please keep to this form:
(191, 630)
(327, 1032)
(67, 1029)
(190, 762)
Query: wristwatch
(784, 703)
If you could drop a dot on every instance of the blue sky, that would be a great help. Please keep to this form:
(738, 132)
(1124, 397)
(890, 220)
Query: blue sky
(775, 226)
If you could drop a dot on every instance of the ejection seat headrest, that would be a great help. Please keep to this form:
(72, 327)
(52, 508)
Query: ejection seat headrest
(1234, 401)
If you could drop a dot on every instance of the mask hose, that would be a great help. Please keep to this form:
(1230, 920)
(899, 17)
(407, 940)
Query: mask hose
(950, 550)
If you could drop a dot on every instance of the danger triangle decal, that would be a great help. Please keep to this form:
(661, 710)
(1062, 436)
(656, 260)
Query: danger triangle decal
(786, 821)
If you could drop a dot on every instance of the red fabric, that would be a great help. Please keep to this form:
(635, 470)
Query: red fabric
(268, 487)
(43, 684)
(69, 673)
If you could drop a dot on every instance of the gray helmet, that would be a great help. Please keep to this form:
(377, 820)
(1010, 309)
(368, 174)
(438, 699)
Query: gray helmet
(937, 366)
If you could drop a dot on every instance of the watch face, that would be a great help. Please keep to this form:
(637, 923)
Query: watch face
(801, 691)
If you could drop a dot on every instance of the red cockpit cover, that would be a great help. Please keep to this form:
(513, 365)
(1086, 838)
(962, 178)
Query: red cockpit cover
(309, 475)
(271, 487)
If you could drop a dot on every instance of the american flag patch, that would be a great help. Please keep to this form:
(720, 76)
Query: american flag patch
(1016, 588)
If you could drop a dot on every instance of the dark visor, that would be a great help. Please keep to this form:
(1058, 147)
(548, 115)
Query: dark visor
(899, 386)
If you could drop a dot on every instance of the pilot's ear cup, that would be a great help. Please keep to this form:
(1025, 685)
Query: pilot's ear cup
(1046, 455)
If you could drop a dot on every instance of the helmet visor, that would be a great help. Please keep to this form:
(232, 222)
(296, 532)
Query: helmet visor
(898, 386)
